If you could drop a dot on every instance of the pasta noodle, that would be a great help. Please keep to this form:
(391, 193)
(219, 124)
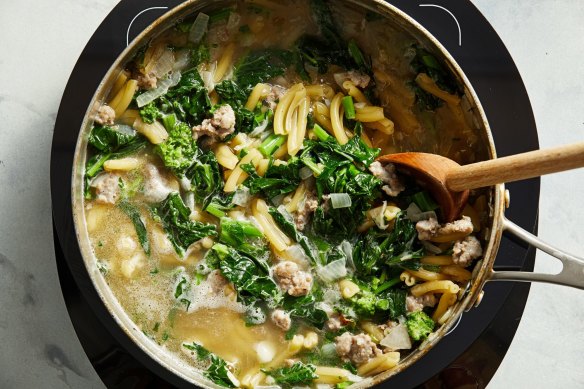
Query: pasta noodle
(258, 92)
(224, 62)
(439, 260)
(225, 157)
(446, 300)
(369, 114)
(126, 97)
(282, 108)
(378, 364)
(354, 92)
(320, 91)
(426, 275)
(440, 286)
(296, 138)
(458, 273)
(407, 278)
(271, 231)
(426, 83)
(238, 175)
(299, 195)
(337, 112)
(120, 81)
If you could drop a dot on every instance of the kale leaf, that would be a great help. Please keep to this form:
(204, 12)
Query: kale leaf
(279, 178)
(205, 177)
(134, 214)
(218, 370)
(242, 235)
(181, 231)
(304, 308)
(297, 374)
(188, 100)
(250, 276)
(261, 66)
(286, 224)
(236, 97)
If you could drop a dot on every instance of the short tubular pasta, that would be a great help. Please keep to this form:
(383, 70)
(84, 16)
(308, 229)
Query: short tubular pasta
(378, 364)
(408, 278)
(426, 83)
(437, 260)
(124, 97)
(456, 272)
(441, 286)
(299, 195)
(259, 91)
(237, 176)
(298, 132)
(271, 231)
(225, 157)
(446, 300)
(282, 108)
(224, 62)
(426, 275)
(369, 114)
(355, 92)
(318, 91)
(337, 119)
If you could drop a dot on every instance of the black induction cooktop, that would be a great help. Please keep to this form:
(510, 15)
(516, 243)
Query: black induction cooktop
(469, 356)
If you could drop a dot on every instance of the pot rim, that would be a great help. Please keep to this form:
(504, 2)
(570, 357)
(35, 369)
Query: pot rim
(180, 368)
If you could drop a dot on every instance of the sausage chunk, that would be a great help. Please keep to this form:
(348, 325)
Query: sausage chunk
(219, 127)
(107, 188)
(429, 229)
(282, 319)
(308, 207)
(105, 115)
(356, 348)
(414, 304)
(466, 250)
(394, 186)
(274, 96)
(146, 81)
(291, 279)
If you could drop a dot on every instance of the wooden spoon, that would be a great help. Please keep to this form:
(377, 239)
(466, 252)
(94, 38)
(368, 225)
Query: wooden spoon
(450, 182)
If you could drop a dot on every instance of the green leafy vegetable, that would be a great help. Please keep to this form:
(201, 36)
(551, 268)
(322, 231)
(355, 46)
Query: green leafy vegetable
(188, 100)
(242, 235)
(392, 302)
(419, 325)
(297, 374)
(232, 94)
(134, 214)
(200, 54)
(286, 223)
(261, 66)
(271, 144)
(425, 62)
(150, 112)
(218, 370)
(279, 178)
(304, 308)
(205, 177)
(250, 276)
(181, 231)
(181, 291)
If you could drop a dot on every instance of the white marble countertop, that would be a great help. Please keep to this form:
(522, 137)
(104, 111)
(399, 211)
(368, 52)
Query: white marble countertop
(41, 41)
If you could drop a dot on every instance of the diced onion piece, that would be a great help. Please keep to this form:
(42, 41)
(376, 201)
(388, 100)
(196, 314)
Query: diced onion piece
(347, 249)
(265, 350)
(340, 200)
(155, 132)
(378, 216)
(160, 90)
(305, 173)
(397, 339)
(208, 77)
(123, 164)
(333, 271)
(242, 197)
(199, 28)
(182, 60)
(296, 254)
(161, 66)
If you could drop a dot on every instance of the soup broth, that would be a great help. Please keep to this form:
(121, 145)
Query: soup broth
(235, 207)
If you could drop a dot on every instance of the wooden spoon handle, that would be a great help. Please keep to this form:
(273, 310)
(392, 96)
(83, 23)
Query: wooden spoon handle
(516, 167)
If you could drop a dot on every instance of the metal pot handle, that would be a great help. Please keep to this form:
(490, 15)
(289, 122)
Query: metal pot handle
(572, 273)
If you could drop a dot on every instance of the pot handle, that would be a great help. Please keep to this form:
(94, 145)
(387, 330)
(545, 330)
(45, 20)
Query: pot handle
(572, 273)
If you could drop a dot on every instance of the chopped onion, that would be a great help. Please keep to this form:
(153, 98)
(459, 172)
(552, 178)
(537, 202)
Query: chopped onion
(296, 254)
(265, 350)
(397, 339)
(185, 183)
(162, 65)
(233, 21)
(289, 218)
(160, 90)
(324, 307)
(125, 129)
(354, 378)
(259, 129)
(305, 173)
(430, 247)
(190, 201)
(340, 78)
(241, 197)
(208, 79)
(360, 105)
(333, 271)
(331, 296)
(415, 214)
(182, 60)
(323, 386)
(378, 216)
(340, 200)
(199, 28)
(328, 350)
(347, 249)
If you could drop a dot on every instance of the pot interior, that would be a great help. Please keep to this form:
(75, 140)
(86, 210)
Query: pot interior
(396, 23)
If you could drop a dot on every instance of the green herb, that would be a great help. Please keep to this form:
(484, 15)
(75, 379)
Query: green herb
(134, 214)
(181, 231)
(297, 374)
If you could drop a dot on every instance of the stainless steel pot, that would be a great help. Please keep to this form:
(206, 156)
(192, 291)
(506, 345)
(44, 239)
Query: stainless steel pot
(572, 273)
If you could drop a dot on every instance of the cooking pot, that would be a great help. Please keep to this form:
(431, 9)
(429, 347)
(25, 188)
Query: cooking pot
(572, 273)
